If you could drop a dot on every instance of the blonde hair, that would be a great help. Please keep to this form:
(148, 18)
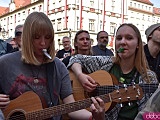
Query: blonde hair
(36, 23)
(140, 59)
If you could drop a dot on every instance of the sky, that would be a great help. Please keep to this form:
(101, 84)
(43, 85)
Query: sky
(5, 3)
(156, 3)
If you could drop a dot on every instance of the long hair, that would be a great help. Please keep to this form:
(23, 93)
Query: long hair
(140, 59)
(75, 40)
(36, 23)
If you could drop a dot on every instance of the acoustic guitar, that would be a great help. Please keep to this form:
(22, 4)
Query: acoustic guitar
(28, 106)
(107, 83)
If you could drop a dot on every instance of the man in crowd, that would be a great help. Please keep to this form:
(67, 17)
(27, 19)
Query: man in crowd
(152, 48)
(100, 48)
(67, 50)
(82, 45)
(17, 38)
(4, 46)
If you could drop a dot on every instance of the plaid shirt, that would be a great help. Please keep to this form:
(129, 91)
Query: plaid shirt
(152, 105)
(93, 63)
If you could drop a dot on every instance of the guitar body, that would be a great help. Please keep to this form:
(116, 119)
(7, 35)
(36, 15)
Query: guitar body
(101, 77)
(27, 102)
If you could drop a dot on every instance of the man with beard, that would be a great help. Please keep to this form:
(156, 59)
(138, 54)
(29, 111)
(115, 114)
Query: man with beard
(67, 50)
(100, 48)
(152, 48)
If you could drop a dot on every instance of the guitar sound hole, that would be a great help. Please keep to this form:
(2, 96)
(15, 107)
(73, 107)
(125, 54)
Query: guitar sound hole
(17, 116)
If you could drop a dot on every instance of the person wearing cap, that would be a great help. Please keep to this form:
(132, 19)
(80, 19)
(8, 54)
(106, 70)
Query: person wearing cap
(152, 48)
(17, 38)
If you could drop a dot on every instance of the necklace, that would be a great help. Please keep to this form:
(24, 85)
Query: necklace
(35, 73)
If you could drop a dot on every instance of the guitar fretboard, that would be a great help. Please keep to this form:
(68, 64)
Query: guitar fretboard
(64, 108)
(147, 88)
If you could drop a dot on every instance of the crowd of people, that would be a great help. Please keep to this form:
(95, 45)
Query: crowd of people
(27, 68)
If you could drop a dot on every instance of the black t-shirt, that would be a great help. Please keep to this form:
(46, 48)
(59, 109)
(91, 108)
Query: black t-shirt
(62, 53)
(66, 60)
(154, 63)
(5, 47)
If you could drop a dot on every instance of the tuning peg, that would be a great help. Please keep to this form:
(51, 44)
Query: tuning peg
(133, 84)
(120, 103)
(117, 91)
(117, 88)
(125, 86)
(137, 97)
(129, 103)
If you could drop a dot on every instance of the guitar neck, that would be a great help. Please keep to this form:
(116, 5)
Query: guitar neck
(64, 108)
(147, 88)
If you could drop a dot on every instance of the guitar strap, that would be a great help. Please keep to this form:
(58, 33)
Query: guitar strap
(51, 77)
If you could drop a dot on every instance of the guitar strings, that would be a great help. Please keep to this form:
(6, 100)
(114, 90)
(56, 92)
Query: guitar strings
(15, 117)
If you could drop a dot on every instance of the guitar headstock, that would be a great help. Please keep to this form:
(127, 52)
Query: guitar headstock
(127, 94)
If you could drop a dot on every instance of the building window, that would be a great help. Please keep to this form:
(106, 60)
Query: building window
(137, 25)
(40, 7)
(77, 1)
(91, 25)
(59, 24)
(158, 20)
(142, 27)
(92, 3)
(65, 23)
(28, 11)
(131, 4)
(113, 5)
(78, 23)
(153, 19)
(148, 18)
(33, 9)
(53, 23)
(143, 17)
(112, 28)
(149, 8)
(138, 16)
(100, 26)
